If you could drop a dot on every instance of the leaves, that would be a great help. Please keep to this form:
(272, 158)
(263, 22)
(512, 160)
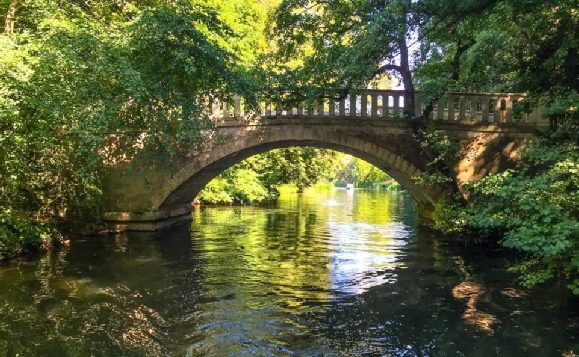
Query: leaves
(534, 208)
(258, 177)
(87, 84)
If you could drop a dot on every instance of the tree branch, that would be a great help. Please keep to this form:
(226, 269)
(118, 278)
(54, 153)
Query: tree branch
(385, 68)
(460, 50)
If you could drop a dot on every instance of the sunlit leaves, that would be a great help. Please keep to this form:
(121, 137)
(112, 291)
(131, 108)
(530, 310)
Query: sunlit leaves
(330, 46)
(535, 208)
(86, 84)
(258, 177)
(237, 185)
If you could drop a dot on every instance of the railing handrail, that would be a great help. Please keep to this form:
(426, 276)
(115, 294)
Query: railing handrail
(402, 91)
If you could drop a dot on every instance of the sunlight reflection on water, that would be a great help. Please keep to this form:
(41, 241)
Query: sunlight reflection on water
(362, 254)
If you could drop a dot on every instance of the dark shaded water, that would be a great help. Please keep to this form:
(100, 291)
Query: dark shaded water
(324, 274)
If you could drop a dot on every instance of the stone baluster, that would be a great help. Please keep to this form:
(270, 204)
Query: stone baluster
(468, 111)
(497, 110)
(225, 109)
(461, 108)
(450, 108)
(396, 102)
(386, 105)
(353, 100)
(374, 109)
(332, 107)
(237, 106)
(509, 109)
(342, 107)
(215, 109)
(364, 104)
(484, 108)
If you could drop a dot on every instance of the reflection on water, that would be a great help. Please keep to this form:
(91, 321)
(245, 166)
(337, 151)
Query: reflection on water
(471, 291)
(321, 274)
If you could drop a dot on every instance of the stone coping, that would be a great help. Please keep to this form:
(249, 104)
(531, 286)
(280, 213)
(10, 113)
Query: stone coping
(382, 121)
(152, 216)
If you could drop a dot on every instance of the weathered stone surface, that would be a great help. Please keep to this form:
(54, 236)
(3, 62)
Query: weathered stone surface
(141, 196)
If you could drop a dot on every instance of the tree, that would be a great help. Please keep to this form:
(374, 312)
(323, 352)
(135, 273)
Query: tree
(86, 84)
(303, 167)
(336, 46)
(499, 50)
(360, 173)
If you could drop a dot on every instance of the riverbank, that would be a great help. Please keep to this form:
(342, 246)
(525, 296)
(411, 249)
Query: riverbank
(225, 195)
(22, 235)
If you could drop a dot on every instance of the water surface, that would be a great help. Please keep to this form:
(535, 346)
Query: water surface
(336, 273)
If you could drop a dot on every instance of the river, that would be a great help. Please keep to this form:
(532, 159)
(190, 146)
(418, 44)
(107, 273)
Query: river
(333, 273)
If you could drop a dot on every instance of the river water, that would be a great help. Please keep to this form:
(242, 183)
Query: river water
(335, 273)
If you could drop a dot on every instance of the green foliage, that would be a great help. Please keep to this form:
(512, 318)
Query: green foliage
(20, 233)
(338, 43)
(362, 174)
(490, 45)
(443, 147)
(302, 167)
(450, 216)
(468, 46)
(331, 46)
(246, 186)
(441, 152)
(235, 185)
(562, 110)
(217, 191)
(86, 84)
(258, 177)
(535, 208)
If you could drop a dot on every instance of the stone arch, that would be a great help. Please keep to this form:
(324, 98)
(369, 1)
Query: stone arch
(242, 142)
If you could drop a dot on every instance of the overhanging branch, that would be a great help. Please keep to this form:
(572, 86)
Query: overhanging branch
(385, 68)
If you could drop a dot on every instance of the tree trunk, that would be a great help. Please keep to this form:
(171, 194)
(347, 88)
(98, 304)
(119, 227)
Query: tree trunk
(10, 18)
(405, 72)
(406, 75)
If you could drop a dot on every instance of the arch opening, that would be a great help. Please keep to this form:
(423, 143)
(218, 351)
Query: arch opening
(262, 177)
(394, 166)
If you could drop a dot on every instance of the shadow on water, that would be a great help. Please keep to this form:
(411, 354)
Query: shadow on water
(333, 273)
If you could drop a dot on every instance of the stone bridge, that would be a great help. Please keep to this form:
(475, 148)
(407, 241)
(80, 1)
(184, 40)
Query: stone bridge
(369, 125)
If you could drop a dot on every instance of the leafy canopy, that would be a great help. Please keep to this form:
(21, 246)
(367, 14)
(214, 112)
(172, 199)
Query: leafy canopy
(86, 84)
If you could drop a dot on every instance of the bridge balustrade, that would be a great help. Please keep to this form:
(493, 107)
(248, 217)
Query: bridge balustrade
(387, 105)
(483, 107)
